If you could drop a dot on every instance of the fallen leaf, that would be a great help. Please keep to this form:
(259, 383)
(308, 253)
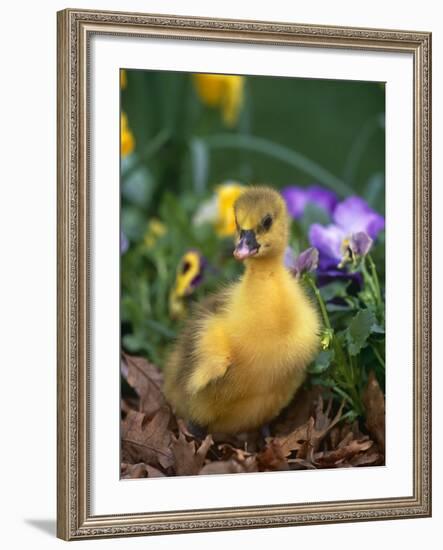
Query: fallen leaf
(147, 381)
(140, 470)
(129, 404)
(227, 451)
(297, 412)
(295, 440)
(373, 457)
(339, 456)
(230, 467)
(310, 434)
(188, 458)
(301, 464)
(272, 457)
(145, 440)
(374, 402)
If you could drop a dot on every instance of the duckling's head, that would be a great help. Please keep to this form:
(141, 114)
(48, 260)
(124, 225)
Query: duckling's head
(262, 224)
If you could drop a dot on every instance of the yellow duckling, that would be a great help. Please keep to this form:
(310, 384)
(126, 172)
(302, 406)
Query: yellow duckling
(243, 353)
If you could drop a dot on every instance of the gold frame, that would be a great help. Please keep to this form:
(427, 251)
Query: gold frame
(75, 27)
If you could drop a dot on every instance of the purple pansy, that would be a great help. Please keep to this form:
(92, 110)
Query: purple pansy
(297, 198)
(305, 262)
(360, 244)
(354, 222)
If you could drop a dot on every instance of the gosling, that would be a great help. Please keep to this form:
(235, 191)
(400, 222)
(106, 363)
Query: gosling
(243, 353)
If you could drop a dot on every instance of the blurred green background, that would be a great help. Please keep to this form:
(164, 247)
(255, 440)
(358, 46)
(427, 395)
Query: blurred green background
(178, 146)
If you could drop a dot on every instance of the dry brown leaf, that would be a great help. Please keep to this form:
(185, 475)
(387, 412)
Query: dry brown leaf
(297, 412)
(301, 464)
(188, 459)
(272, 458)
(147, 381)
(295, 440)
(230, 467)
(341, 455)
(145, 440)
(134, 471)
(374, 402)
(345, 441)
(372, 457)
(309, 435)
(228, 451)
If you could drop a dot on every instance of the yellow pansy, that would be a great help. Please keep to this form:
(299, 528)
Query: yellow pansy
(224, 92)
(156, 229)
(189, 276)
(127, 142)
(227, 194)
(219, 209)
(123, 79)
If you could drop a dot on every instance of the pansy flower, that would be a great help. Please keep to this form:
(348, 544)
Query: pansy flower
(219, 210)
(123, 79)
(221, 91)
(355, 225)
(305, 262)
(127, 141)
(189, 276)
(154, 231)
(297, 198)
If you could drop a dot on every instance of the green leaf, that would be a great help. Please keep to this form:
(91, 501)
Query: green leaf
(336, 289)
(339, 307)
(200, 164)
(161, 329)
(326, 382)
(322, 362)
(359, 330)
(131, 342)
(377, 329)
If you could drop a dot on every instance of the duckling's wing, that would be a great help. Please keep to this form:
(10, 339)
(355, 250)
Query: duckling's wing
(197, 361)
(212, 304)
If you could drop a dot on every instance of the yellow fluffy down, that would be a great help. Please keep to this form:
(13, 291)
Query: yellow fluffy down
(250, 357)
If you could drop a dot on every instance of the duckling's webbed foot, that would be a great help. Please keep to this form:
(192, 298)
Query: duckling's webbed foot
(198, 431)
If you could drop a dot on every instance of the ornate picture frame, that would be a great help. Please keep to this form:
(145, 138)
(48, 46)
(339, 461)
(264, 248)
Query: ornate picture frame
(75, 30)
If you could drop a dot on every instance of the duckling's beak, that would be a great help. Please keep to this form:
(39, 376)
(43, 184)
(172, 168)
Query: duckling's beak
(247, 245)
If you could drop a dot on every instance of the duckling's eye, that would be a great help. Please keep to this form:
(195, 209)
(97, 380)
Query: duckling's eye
(267, 222)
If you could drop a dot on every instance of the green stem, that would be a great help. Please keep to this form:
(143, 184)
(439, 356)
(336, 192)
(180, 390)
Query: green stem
(280, 152)
(351, 368)
(359, 146)
(343, 367)
(378, 355)
(320, 302)
(347, 370)
(345, 395)
(373, 285)
(375, 279)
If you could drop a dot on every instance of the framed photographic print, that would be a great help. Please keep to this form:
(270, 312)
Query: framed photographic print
(244, 289)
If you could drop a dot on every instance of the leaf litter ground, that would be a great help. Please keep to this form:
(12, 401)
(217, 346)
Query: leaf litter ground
(311, 433)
